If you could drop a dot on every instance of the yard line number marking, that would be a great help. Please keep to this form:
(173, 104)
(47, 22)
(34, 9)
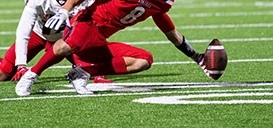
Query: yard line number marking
(186, 99)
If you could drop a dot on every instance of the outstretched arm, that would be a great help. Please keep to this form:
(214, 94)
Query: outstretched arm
(165, 24)
(24, 28)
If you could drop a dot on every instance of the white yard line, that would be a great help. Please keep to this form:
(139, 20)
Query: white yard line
(263, 4)
(185, 27)
(184, 4)
(14, 11)
(222, 14)
(203, 14)
(202, 91)
(7, 33)
(16, 5)
(4, 48)
(232, 40)
(150, 86)
(8, 21)
(228, 14)
(213, 26)
(110, 95)
(187, 62)
(176, 84)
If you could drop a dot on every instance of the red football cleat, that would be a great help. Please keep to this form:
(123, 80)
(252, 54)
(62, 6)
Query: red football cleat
(101, 79)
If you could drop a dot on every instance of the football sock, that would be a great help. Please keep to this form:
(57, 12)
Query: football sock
(47, 60)
(186, 48)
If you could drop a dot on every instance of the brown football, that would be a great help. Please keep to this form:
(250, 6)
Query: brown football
(215, 59)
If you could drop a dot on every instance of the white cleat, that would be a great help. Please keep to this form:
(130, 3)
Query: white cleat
(79, 79)
(23, 87)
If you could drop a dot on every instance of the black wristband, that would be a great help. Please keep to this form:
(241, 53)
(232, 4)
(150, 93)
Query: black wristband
(186, 48)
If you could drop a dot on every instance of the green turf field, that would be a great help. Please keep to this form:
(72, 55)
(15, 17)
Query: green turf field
(174, 92)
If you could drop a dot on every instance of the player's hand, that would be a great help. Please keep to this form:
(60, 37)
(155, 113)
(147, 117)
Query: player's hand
(57, 20)
(21, 70)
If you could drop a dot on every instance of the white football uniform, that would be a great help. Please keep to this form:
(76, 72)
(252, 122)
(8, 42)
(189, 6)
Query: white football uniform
(33, 18)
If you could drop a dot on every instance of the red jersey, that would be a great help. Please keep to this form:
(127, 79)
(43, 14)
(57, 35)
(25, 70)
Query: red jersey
(113, 15)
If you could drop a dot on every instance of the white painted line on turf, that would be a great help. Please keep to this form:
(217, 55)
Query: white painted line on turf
(188, 27)
(203, 14)
(89, 86)
(213, 26)
(234, 40)
(7, 33)
(93, 95)
(143, 84)
(57, 91)
(170, 87)
(14, 11)
(4, 48)
(183, 62)
(178, 4)
(175, 84)
(80, 96)
(181, 99)
(11, 5)
(209, 5)
(8, 21)
(224, 14)
(187, 62)
(263, 4)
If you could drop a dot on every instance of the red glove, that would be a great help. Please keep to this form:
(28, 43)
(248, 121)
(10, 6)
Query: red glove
(21, 70)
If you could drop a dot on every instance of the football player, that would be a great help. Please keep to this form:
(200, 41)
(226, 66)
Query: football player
(91, 29)
(29, 38)
(32, 37)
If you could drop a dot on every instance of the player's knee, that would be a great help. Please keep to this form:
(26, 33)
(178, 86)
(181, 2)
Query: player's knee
(144, 63)
(141, 64)
(60, 48)
(147, 59)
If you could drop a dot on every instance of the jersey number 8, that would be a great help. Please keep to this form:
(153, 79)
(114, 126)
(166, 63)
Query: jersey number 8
(133, 15)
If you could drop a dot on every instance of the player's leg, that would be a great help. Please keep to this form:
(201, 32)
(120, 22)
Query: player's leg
(136, 59)
(91, 68)
(82, 37)
(7, 68)
(116, 59)
(87, 44)
(3, 76)
(79, 42)
(35, 45)
(23, 87)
